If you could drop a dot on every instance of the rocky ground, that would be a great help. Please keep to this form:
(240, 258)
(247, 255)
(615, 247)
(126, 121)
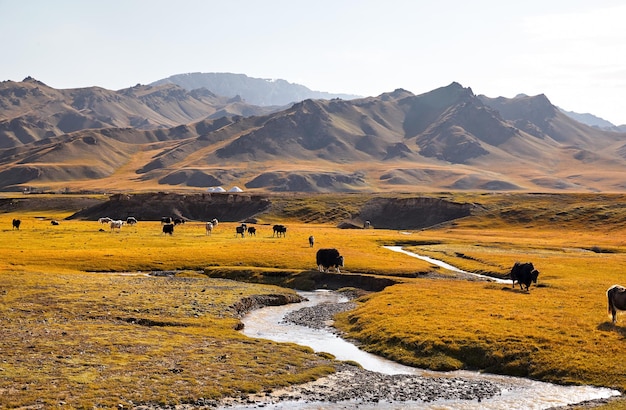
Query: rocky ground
(354, 386)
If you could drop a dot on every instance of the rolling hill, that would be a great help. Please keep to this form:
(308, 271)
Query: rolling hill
(445, 139)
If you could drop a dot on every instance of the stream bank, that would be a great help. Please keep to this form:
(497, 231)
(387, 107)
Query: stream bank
(382, 384)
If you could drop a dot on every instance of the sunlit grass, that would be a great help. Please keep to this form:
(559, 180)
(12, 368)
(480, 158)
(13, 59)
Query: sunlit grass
(559, 331)
(103, 339)
(84, 339)
(82, 246)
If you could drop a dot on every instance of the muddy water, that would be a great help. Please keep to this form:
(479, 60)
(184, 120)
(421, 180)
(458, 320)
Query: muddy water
(516, 393)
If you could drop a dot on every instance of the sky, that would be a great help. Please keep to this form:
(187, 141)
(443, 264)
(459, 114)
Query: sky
(572, 51)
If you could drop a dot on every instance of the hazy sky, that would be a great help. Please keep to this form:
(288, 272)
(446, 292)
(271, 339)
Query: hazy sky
(572, 51)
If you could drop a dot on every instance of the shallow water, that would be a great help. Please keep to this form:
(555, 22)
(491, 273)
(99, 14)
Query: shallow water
(443, 264)
(517, 393)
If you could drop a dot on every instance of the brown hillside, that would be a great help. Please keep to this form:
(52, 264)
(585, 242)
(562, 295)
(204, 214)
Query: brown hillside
(31, 111)
(446, 139)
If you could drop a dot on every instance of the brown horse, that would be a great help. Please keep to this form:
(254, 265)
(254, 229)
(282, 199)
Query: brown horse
(616, 296)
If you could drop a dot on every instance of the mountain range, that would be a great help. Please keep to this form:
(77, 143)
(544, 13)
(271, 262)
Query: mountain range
(164, 136)
(257, 91)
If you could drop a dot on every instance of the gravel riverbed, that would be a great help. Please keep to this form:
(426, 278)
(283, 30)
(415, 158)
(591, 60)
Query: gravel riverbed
(352, 386)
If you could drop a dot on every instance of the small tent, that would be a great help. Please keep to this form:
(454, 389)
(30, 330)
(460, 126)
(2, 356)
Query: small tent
(235, 189)
(216, 189)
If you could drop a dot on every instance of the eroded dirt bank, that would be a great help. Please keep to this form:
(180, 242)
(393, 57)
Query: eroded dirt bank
(349, 211)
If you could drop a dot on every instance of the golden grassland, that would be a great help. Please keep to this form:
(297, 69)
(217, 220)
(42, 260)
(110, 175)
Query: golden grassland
(76, 334)
(73, 332)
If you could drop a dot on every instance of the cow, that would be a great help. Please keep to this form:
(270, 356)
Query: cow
(311, 241)
(166, 220)
(168, 228)
(616, 296)
(178, 221)
(116, 225)
(240, 230)
(16, 224)
(523, 274)
(104, 220)
(131, 220)
(279, 230)
(209, 228)
(252, 231)
(328, 258)
(53, 222)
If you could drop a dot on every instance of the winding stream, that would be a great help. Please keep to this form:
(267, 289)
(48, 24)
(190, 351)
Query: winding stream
(443, 264)
(516, 393)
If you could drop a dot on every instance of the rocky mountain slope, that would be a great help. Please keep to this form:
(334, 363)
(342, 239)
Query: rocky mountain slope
(446, 139)
(257, 91)
(31, 111)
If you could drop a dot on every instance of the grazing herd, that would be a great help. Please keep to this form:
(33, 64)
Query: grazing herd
(168, 223)
(524, 273)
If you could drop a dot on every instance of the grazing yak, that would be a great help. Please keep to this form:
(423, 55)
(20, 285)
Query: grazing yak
(16, 224)
(252, 231)
(311, 241)
(209, 228)
(131, 220)
(616, 296)
(116, 225)
(279, 230)
(54, 222)
(523, 274)
(104, 220)
(178, 221)
(328, 258)
(240, 230)
(168, 229)
(166, 220)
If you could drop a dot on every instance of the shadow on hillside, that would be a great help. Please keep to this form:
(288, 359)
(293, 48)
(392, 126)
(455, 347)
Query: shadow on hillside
(610, 327)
